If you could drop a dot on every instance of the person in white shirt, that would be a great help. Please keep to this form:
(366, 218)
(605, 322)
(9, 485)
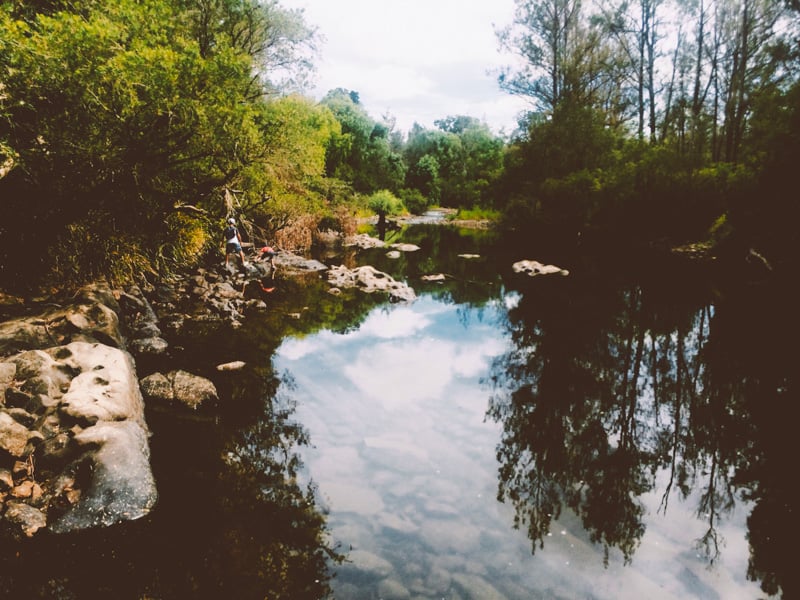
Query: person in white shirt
(233, 242)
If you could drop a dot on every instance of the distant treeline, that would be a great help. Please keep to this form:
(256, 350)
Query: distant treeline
(129, 130)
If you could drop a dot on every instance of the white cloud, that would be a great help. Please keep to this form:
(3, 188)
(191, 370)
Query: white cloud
(417, 60)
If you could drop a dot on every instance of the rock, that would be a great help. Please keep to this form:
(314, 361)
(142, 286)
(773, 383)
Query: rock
(393, 254)
(23, 490)
(150, 346)
(23, 519)
(179, 387)
(369, 279)
(76, 408)
(157, 387)
(364, 241)
(192, 390)
(405, 247)
(13, 436)
(6, 480)
(22, 416)
(7, 373)
(533, 268)
(97, 293)
(231, 366)
(287, 261)
(122, 485)
(226, 290)
(105, 389)
(82, 321)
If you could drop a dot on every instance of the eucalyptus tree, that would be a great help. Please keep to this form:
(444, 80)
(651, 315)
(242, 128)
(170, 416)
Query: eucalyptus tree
(635, 28)
(542, 34)
(279, 41)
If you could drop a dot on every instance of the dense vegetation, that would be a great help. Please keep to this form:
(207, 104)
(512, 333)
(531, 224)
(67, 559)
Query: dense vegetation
(130, 130)
(658, 120)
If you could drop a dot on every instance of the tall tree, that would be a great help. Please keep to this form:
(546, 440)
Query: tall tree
(544, 34)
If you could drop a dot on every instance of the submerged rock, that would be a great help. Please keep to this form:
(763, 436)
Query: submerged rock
(122, 486)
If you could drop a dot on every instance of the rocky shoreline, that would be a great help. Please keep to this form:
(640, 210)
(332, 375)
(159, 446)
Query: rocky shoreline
(74, 442)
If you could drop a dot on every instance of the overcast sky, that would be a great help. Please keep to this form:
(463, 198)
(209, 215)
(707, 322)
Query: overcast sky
(417, 60)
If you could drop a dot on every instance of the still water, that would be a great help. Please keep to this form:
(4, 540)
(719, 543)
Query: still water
(418, 420)
(623, 432)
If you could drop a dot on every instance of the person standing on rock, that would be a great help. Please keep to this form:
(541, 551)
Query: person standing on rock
(233, 242)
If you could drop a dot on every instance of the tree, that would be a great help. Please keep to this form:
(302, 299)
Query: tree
(635, 30)
(362, 154)
(384, 203)
(544, 34)
(116, 118)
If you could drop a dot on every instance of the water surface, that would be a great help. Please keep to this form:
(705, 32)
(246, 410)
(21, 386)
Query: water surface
(417, 427)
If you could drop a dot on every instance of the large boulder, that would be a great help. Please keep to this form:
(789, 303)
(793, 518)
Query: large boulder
(80, 321)
(71, 406)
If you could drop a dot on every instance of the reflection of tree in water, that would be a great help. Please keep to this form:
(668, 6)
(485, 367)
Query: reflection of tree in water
(607, 394)
(275, 537)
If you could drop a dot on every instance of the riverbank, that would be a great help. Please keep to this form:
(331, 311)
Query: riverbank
(77, 370)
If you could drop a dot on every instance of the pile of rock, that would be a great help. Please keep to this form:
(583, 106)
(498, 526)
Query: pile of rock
(74, 447)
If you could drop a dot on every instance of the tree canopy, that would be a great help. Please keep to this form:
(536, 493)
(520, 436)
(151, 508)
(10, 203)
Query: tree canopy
(129, 131)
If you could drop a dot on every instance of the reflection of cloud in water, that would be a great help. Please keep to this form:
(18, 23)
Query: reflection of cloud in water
(403, 373)
(297, 348)
(393, 323)
(406, 461)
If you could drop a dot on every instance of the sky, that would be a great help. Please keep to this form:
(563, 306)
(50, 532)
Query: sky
(415, 60)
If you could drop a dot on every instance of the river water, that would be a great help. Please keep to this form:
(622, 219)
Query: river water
(423, 415)
(622, 432)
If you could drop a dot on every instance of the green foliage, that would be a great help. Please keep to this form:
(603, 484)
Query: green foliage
(477, 214)
(361, 153)
(384, 202)
(414, 201)
(130, 110)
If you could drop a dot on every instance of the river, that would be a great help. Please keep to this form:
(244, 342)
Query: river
(621, 432)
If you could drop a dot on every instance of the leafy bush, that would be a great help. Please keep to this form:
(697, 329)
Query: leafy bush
(385, 203)
(414, 201)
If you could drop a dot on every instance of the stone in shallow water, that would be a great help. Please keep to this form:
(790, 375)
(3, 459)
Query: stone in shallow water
(532, 268)
(231, 366)
(122, 486)
(24, 519)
